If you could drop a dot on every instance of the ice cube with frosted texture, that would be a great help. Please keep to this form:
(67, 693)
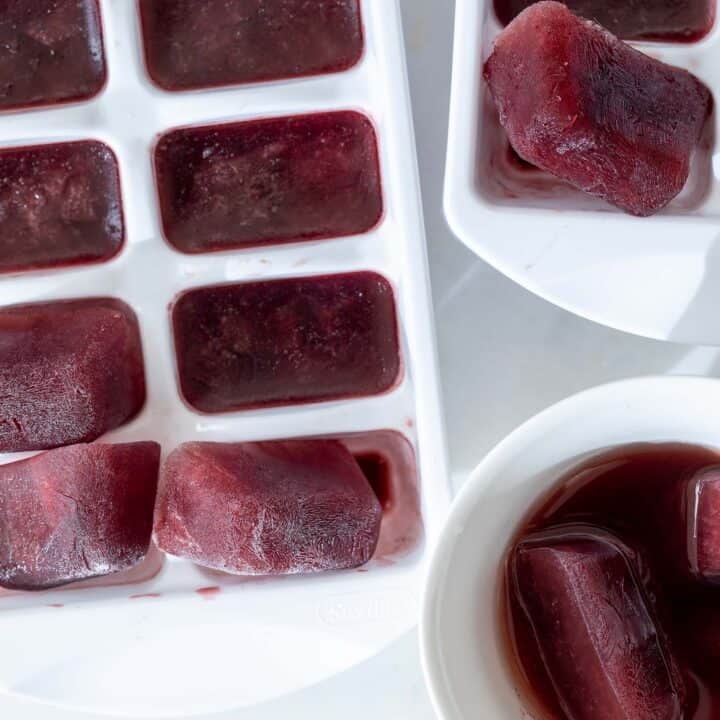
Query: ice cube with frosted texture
(597, 113)
(276, 180)
(267, 508)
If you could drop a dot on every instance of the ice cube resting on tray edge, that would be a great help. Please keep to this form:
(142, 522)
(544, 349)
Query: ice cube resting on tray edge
(600, 115)
(267, 508)
(76, 513)
(666, 20)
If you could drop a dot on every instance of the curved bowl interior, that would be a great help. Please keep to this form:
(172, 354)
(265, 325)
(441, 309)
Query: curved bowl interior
(462, 653)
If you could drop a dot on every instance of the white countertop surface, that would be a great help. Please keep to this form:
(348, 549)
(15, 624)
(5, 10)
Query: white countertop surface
(504, 356)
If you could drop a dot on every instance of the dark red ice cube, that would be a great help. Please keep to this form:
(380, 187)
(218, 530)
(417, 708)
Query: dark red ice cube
(59, 205)
(75, 513)
(593, 111)
(595, 630)
(69, 372)
(288, 341)
(268, 181)
(703, 523)
(51, 51)
(674, 20)
(190, 44)
(269, 508)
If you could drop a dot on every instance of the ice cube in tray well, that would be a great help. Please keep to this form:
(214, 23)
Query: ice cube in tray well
(499, 182)
(76, 512)
(51, 51)
(59, 205)
(593, 111)
(287, 341)
(190, 44)
(268, 181)
(386, 459)
(69, 372)
(268, 508)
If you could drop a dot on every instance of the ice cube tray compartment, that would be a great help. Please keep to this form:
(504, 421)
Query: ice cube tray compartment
(354, 613)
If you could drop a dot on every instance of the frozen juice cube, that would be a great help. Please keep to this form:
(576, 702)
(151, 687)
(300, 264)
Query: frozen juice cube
(51, 51)
(703, 526)
(69, 372)
(593, 111)
(190, 44)
(675, 20)
(59, 205)
(268, 508)
(268, 181)
(287, 341)
(77, 512)
(598, 639)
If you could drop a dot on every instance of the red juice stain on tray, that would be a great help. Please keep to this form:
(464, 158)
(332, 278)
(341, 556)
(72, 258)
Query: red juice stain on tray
(143, 596)
(667, 20)
(191, 44)
(60, 205)
(290, 341)
(274, 180)
(209, 592)
(635, 524)
(51, 51)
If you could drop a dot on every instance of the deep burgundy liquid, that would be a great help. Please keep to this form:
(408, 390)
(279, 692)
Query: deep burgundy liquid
(636, 492)
(60, 205)
(284, 342)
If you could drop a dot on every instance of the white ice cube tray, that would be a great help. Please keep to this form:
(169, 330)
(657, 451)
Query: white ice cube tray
(643, 275)
(173, 651)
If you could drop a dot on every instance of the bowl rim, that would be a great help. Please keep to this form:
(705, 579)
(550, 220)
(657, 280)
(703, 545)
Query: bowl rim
(470, 493)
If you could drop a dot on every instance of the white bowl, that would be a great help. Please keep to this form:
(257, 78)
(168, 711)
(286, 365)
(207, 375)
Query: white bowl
(657, 276)
(463, 657)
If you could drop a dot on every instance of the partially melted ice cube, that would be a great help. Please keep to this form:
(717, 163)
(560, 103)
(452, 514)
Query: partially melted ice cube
(595, 630)
(69, 372)
(74, 513)
(579, 103)
(269, 508)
